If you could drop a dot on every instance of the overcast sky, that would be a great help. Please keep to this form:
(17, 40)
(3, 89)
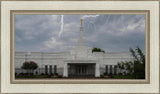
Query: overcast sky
(112, 33)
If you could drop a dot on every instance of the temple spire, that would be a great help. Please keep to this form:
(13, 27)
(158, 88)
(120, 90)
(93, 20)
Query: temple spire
(80, 41)
(81, 22)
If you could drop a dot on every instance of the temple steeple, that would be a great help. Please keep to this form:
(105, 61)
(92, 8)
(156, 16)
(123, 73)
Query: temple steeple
(81, 41)
(81, 22)
(80, 51)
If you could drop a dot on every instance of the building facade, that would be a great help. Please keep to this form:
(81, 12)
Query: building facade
(79, 61)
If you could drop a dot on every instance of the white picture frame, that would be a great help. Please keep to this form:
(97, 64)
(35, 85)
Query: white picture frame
(6, 82)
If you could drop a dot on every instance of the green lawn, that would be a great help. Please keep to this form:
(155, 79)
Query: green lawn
(31, 76)
(123, 77)
(60, 76)
(37, 76)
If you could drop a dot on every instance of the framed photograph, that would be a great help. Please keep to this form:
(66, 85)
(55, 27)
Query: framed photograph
(67, 46)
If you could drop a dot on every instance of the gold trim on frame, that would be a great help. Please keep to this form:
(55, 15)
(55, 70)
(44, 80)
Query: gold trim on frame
(81, 81)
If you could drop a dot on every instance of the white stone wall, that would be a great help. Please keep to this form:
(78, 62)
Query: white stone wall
(41, 59)
(44, 58)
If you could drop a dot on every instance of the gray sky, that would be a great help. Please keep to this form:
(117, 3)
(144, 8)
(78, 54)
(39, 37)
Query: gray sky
(112, 33)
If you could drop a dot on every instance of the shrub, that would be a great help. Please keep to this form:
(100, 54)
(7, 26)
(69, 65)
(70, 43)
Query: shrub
(42, 73)
(49, 76)
(119, 73)
(105, 74)
(102, 75)
(56, 74)
(59, 76)
(36, 73)
(21, 74)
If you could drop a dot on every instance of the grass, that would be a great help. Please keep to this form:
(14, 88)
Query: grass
(118, 76)
(41, 76)
(31, 76)
(123, 77)
(38, 76)
(60, 76)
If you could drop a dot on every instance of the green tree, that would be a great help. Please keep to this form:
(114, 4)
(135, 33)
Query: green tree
(135, 67)
(128, 65)
(139, 63)
(30, 66)
(119, 66)
(97, 50)
(125, 66)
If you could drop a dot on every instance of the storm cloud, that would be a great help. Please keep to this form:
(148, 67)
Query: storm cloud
(113, 33)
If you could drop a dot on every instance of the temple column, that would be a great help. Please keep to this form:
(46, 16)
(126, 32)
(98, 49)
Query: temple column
(65, 71)
(48, 69)
(97, 71)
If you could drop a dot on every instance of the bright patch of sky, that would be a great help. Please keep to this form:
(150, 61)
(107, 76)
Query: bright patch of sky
(112, 33)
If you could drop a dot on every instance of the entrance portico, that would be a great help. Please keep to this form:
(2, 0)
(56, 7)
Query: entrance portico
(81, 68)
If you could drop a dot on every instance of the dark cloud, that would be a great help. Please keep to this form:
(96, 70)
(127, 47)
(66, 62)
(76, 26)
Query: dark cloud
(113, 33)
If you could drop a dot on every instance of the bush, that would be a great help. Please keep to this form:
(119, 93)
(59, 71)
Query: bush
(49, 76)
(26, 73)
(42, 73)
(21, 74)
(56, 74)
(36, 73)
(105, 74)
(59, 76)
(123, 77)
(119, 73)
(102, 75)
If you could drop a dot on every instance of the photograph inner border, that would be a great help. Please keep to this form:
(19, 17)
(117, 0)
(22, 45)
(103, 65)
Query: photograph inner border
(78, 80)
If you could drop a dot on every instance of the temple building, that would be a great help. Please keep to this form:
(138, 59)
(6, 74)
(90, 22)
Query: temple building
(79, 61)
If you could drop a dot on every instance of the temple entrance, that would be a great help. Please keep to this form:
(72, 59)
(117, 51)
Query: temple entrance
(81, 70)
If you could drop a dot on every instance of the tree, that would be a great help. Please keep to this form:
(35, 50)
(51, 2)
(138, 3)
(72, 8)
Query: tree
(129, 67)
(97, 50)
(139, 63)
(30, 66)
(119, 66)
(135, 67)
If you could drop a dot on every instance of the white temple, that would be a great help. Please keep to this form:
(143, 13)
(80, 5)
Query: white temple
(79, 61)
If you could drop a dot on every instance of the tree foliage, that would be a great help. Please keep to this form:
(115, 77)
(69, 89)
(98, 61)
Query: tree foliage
(97, 50)
(139, 63)
(135, 67)
(30, 66)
